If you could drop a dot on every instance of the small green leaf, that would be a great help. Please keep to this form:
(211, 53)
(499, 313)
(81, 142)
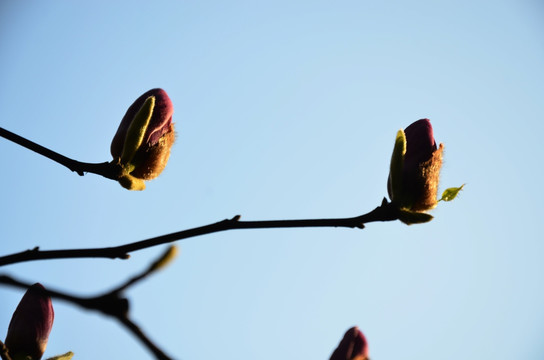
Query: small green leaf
(411, 217)
(450, 193)
(66, 356)
(397, 162)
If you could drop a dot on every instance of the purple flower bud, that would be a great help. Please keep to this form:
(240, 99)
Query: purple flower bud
(31, 324)
(145, 149)
(417, 182)
(352, 347)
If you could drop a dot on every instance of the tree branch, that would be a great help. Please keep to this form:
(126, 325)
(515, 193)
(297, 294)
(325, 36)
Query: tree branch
(112, 304)
(385, 212)
(110, 170)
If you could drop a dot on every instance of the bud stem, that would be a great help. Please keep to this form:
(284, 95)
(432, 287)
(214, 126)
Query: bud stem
(108, 170)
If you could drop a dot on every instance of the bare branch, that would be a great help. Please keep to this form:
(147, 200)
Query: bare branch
(110, 170)
(385, 212)
(112, 303)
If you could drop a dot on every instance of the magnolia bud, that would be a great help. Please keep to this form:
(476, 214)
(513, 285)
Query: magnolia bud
(415, 168)
(30, 324)
(352, 347)
(144, 138)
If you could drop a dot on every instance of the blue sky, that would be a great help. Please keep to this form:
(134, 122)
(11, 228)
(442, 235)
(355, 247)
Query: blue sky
(284, 109)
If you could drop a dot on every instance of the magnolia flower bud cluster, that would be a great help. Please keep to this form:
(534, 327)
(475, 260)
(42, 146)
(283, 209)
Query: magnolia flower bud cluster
(144, 138)
(414, 173)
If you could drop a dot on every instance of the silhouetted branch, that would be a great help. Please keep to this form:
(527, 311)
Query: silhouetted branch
(136, 331)
(385, 212)
(111, 303)
(109, 170)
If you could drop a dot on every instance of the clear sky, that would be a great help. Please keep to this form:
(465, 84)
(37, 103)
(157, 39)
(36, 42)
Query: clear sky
(283, 110)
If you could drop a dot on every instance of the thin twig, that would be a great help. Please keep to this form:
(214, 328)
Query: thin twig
(136, 331)
(110, 170)
(112, 304)
(384, 212)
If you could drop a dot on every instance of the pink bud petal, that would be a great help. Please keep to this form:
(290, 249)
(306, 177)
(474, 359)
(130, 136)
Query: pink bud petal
(420, 170)
(352, 347)
(160, 122)
(420, 143)
(151, 152)
(31, 324)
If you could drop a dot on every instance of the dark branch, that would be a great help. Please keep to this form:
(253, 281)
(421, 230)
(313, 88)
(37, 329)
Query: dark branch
(143, 338)
(385, 212)
(112, 304)
(110, 170)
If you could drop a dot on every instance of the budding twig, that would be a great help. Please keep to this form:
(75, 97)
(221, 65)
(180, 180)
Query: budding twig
(109, 170)
(112, 303)
(385, 212)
